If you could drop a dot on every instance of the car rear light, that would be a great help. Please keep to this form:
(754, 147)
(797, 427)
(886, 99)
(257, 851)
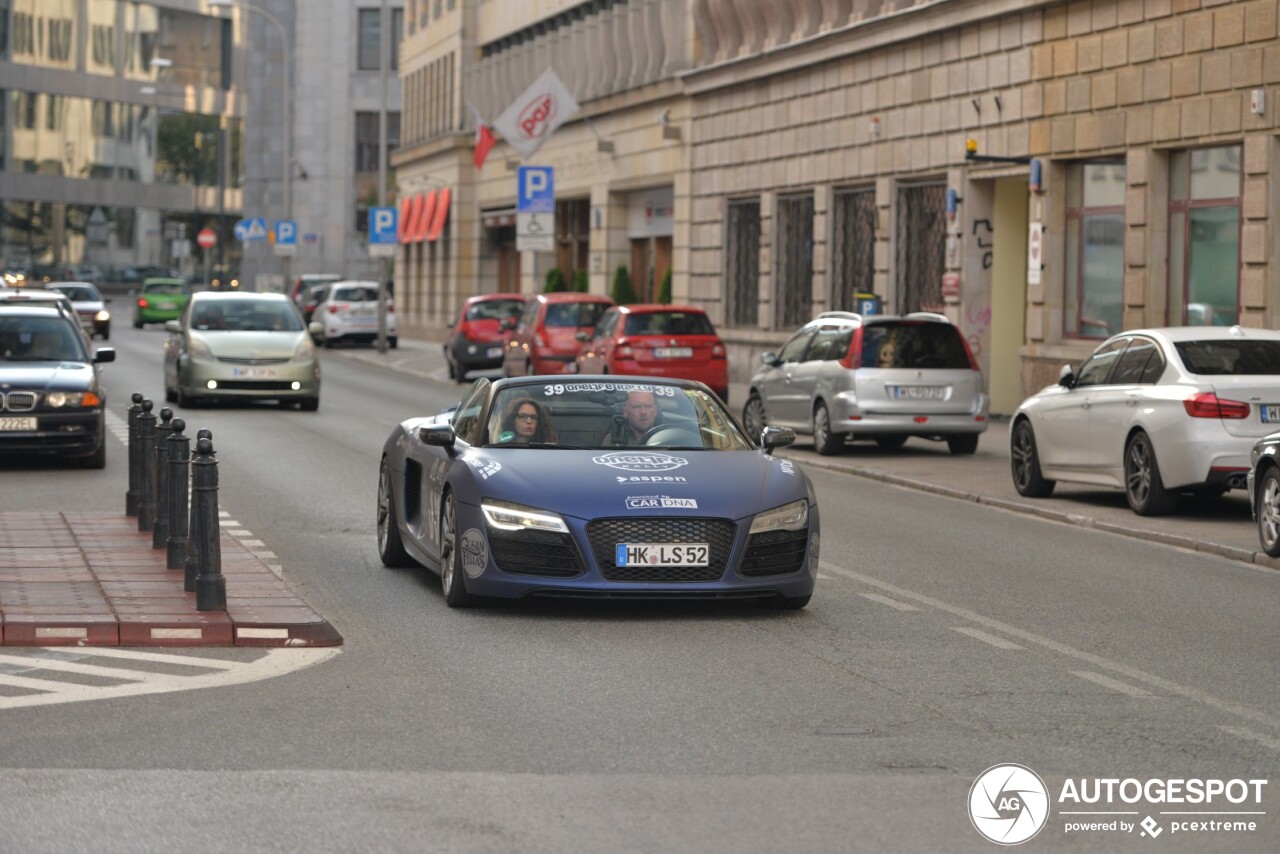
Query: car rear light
(717, 351)
(973, 363)
(624, 351)
(335, 307)
(539, 340)
(142, 302)
(853, 359)
(391, 308)
(1206, 404)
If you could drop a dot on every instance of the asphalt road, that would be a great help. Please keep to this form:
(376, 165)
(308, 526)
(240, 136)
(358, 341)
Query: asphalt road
(945, 637)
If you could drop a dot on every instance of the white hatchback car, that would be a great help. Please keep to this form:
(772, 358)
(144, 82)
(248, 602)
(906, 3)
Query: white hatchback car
(1154, 412)
(349, 312)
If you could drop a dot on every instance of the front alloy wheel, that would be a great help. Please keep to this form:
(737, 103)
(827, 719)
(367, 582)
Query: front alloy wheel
(452, 583)
(1025, 462)
(1269, 512)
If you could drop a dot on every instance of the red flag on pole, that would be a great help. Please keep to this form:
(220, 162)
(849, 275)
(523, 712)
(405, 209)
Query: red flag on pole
(484, 138)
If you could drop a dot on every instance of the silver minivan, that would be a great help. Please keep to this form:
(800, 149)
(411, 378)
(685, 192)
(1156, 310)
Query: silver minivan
(886, 378)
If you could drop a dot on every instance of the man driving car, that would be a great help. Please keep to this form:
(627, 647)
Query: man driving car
(639, 415)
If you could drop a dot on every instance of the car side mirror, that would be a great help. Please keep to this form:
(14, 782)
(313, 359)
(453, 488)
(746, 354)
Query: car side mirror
(1066, 378)
(104, 354)
(770, 358)
(583, 337)
(173, 326)
(440, 435)
(776, 437)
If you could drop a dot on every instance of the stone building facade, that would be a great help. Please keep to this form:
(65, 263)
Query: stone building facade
(1045, 173)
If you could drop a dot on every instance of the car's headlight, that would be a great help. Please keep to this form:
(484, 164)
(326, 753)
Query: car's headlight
(199, 350)
(305, 351)
(788, 517)
(70, 400)
(516, 517)
(102, 316)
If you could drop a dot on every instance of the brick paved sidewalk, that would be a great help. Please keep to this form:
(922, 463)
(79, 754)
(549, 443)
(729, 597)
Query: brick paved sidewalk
(92, 579)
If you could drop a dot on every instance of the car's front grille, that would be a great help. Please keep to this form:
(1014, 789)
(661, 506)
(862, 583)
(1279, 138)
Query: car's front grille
(255, 385)
(545, 553)
(606, 534)
(19, 401)
(774, 553)
(252, 361)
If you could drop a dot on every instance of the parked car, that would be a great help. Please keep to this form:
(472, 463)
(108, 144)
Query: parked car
(303, 284)
(692, 512)
(545, 338)
(349, 312)
(475, 340)
(51, 399)
(89, 305)
(312, 297)
(91, 273)
(160, 300)
(1154, 412)
(657, 341)
(15, 296)
(887, 378)
(240, 345)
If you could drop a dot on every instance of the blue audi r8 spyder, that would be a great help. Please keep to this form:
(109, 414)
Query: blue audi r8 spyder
(597, 486)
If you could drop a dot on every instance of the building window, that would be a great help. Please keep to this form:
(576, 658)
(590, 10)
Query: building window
(60, 39)
(793, 297)
(24, 34)
(854, 244)
(55, 106)
(368, 43)
(367, 161)
(102, 119)
(104, 45)
(742, 263)
(922, 243)
(1204, 236)
(1094, 298)
(24, 110)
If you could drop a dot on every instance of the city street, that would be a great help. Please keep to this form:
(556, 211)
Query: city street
(945, 636)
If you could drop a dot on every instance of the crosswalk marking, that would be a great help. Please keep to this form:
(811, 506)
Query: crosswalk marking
(41, 663)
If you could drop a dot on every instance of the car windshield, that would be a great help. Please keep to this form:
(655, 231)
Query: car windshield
(913, 345)
(79, 293)
(495, 309)
(1230, 356)
(611, 414)
(165, 288)
(574, 313)
(365, 294)
(669, 323)
(39, 339)
(245, 315)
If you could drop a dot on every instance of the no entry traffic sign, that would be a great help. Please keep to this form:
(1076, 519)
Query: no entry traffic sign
(207, 238)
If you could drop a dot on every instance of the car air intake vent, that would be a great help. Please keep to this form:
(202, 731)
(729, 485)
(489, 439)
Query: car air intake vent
(20, 401)
(546, 553)
(775, 553)
(607, 534)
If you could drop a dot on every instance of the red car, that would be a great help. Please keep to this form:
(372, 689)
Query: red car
(476, 339)
(658, 341)
(545, 339)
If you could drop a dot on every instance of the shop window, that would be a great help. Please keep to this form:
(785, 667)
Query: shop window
(1204, 236)
(921, 242)
(1094, 281)
(794, 295)
(742, 263)
(853, 249)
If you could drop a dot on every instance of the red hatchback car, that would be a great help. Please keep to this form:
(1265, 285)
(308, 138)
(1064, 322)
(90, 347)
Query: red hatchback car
(476, 338)
(657, 341)
(545, 340)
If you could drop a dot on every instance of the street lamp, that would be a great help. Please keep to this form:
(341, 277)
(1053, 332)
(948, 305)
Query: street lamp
(287, 90)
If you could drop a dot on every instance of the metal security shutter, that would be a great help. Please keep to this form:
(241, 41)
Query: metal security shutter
(854, 239)
(742, 263)
(794, 296)
(922, 239)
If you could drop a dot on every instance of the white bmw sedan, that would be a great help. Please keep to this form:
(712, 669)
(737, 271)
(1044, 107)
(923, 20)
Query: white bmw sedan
(1154, 412)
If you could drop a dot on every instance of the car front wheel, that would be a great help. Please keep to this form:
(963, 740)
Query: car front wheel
(1143, 485)
(1269, 512)
(452, 582)
(1025, 462)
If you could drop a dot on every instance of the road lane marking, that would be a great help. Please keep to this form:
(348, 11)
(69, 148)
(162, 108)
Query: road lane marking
(1249, 735)
(892, 603)
(986, 638)
(158, 657)
(37, 662)
(1113, 684)
(1161, 684)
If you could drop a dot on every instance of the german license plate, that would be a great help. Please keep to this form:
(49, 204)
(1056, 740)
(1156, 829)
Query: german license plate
(17, 424)
(662, 554)
(361, 312)
(918, 392)
(495, 352)
(673, 352)
(254, 373)
(1270, 413)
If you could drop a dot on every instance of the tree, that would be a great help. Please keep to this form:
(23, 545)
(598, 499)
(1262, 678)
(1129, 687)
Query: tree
(664, 289)
(623, 293)
(555, 281)
(580, 281)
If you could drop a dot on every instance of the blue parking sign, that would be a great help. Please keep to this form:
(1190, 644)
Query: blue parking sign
(382, 226)
(535, 190)
(286, 232)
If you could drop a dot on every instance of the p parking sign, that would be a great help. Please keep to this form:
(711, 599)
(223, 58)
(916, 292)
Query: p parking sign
(382, 231)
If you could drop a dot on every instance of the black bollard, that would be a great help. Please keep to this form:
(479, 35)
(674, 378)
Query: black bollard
(131, 497)
(160, 479)
(146, 481)
(192, 563)
(211, 585)
(178, 474)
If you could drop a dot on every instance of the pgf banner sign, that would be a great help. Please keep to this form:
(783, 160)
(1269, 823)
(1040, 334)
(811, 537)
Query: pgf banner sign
(536, 114)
